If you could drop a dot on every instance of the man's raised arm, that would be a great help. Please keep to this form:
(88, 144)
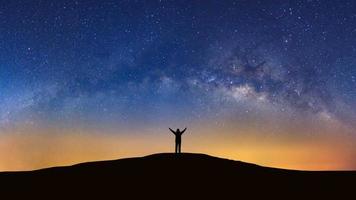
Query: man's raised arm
(184, 130)
(172, 131)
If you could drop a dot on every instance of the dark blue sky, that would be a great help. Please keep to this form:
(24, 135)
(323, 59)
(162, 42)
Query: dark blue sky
(122, 62)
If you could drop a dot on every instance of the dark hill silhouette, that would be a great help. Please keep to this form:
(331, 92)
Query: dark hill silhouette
(169, 176)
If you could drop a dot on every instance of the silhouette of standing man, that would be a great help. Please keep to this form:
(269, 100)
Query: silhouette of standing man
(178, 135)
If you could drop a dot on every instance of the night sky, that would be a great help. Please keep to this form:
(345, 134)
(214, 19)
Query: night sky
(268, 82)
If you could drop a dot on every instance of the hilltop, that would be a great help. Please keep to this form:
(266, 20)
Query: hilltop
(166, 175)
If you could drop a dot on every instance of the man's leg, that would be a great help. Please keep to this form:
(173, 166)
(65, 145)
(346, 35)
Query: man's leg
(176, 151)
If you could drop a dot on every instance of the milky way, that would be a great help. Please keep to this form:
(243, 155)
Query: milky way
(120, 65)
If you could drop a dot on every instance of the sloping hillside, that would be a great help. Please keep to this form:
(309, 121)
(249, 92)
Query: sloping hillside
(165, 176)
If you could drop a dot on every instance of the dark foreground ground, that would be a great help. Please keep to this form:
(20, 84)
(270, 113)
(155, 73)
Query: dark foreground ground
(169, 176)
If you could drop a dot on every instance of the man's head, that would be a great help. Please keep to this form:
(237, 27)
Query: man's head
(178, 130)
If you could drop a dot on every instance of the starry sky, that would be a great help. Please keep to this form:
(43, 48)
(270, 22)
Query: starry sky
(268, 82)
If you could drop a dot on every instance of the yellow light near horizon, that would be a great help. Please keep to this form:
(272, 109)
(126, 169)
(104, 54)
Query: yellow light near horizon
(35, 151)
(43, 148)
(274, 152)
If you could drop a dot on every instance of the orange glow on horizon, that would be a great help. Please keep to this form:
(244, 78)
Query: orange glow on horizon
(38, 149)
